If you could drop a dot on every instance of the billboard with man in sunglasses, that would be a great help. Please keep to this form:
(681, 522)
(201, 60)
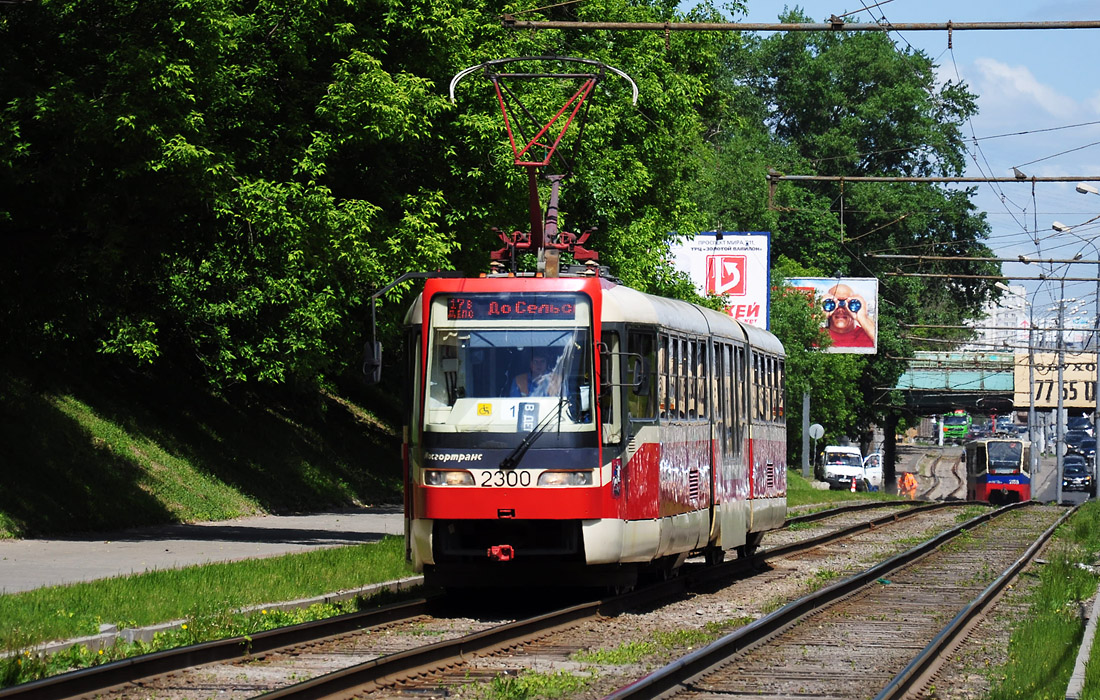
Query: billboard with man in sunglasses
(851, 310)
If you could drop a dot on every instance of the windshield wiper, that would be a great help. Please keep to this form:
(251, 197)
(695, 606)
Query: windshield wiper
(516, 455)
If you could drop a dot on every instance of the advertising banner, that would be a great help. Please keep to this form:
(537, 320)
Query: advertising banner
(851, 310)
(730, 264)
(1078, 381)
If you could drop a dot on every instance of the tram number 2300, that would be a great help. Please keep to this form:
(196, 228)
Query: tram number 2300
(501, 477)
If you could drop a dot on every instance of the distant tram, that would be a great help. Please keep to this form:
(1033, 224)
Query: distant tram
(998, 470)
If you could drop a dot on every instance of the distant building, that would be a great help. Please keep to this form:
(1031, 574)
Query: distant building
(1005, 326)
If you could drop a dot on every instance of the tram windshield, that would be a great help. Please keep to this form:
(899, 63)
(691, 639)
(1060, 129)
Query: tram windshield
(490, 376)
(1005, 457)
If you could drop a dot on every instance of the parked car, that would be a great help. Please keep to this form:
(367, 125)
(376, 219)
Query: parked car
(842, 464)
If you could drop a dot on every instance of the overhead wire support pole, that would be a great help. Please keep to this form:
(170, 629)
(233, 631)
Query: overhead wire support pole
(930, 178)
(509, 21)
(774, 178)
(938, 275)
(1018, 259)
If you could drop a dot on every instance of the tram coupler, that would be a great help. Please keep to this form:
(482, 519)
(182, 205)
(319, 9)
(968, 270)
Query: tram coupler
(502, 552)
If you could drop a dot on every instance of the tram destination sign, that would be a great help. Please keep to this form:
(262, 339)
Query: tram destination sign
(532, 306)
(1078, 380)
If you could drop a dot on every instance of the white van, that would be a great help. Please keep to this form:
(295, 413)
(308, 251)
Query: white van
(842, 464)
(872, 470)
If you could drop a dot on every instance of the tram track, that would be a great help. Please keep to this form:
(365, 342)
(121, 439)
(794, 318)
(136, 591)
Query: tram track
(383, 661)
(943, 468)
(878, 634)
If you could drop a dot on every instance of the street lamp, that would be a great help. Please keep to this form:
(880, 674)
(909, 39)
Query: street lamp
(1086, 188)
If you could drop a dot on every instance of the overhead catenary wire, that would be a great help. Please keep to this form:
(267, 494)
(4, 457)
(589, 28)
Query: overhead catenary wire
(509, 21)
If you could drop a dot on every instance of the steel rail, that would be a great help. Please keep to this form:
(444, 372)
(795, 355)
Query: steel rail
(98, 678)
(929, 658)
(433, 656)
(840, 510)
(668, 679)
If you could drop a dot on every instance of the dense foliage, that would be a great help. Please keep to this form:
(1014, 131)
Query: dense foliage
(214, 187)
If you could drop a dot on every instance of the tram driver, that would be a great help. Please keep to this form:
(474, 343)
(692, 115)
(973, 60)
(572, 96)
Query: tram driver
(541, 380)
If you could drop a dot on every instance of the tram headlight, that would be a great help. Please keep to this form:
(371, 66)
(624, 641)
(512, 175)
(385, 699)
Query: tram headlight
(583, 478)
(439, 477)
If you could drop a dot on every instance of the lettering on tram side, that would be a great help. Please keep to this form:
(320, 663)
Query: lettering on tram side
(453, 457)
(1071, 390)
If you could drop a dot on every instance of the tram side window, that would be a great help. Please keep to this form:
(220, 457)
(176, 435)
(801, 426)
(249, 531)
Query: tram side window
(722, 407)
(664, 347)
(765, 388)
(676, 409)
(769, 387)
(741, 388)
(758, 387)
(643, 344)
(687, 370)
(737, 411)
(701, 373)
(780, 394)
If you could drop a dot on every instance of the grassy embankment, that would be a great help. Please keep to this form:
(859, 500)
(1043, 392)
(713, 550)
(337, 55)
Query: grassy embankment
(111, 453)
(107, 454)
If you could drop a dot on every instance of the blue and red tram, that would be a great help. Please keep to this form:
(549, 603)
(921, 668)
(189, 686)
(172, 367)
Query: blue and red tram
(658, 432)
(998, 470)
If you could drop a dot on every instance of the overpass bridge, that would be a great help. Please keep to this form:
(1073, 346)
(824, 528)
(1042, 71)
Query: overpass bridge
(991, 382)
(940, 382)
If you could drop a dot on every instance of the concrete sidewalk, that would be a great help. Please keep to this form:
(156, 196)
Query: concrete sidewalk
(30, 564)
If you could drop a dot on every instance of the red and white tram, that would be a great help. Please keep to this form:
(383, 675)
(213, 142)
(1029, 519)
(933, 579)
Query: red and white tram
(654, 431)
(663, 435)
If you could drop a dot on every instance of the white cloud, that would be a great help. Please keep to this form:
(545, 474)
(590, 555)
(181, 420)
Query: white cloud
(1005, 87)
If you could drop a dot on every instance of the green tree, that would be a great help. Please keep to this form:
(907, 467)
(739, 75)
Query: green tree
(851, 104)
(215, 185)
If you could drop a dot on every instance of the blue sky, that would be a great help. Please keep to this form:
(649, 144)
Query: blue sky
(1045, 83)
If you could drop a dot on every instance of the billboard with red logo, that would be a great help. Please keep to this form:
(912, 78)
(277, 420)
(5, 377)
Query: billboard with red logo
(732, 264)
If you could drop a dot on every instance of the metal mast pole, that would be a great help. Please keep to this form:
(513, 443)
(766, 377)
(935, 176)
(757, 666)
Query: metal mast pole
(1061, 424)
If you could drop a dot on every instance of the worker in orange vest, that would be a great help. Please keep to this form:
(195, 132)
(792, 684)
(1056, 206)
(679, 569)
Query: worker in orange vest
(907, 485)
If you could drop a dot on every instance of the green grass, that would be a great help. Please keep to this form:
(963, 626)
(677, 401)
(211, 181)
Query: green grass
(528, 684)
(1044, 643)
(63, 612)
(801, 493)
(113, 453)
